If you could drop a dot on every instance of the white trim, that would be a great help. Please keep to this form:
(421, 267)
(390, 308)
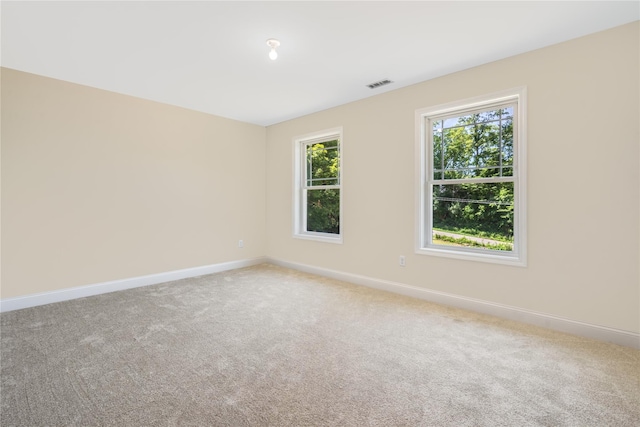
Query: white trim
(422, 168)
(586, 330)
(298, 211)
(17, 303)
(472, 254)
(319, 237)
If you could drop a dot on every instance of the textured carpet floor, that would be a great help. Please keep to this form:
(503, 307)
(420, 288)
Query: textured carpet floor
(267, 346)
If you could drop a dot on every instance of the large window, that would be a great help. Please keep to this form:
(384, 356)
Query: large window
(472, 179)
(318, 186)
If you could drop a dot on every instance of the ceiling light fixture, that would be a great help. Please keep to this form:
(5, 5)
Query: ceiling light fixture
(273, 44)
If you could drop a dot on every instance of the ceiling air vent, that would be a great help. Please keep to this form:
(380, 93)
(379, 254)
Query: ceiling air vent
(378, 84)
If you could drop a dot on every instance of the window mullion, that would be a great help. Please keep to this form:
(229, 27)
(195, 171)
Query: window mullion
(490, 180)
(500, 145)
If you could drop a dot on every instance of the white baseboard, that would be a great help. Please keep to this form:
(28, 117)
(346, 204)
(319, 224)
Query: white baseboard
(600, 333)
(17, 303)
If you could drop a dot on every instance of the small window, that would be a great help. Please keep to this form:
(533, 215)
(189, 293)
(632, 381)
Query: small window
(472, 179)
(317, 197)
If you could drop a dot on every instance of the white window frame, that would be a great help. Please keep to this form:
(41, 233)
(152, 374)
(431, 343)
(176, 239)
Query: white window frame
(299, 187)
(424, 174)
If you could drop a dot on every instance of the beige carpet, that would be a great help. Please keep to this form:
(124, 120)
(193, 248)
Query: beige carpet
(267, 346)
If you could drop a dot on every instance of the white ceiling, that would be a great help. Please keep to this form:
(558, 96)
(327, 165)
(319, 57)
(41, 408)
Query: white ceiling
(212, 56)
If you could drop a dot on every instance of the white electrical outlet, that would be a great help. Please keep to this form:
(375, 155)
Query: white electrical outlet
(402, 261)
(240, 244)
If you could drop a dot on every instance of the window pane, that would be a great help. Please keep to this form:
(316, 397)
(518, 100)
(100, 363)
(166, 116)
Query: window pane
(482, 117)
(507, 142)
(323, 210)
(474, 215)
(454, 147)
(507, 112)
(323, 164)
(483, 148)
(474, 145)
(450, 122)
(437, 152)
(328, 144)
(478, 117)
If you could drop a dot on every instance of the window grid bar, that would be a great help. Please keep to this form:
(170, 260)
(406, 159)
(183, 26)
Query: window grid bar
(322, 140)
(312, 183)
(492, 180)
(322, 187)
(488, 107)
(481, 202)
(323, 148)
(309, 161)
(322, 179)
(309, 149)
(500, 136)
(471, 124)
(442, 146)
(470, 168)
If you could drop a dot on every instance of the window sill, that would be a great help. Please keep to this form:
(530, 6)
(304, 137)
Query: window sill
(470, 255)
(319, 237)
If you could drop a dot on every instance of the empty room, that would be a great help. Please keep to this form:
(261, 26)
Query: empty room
(318, 213)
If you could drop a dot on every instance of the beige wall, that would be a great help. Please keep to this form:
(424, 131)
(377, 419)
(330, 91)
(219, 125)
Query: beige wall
(98, 186)
(583, 184)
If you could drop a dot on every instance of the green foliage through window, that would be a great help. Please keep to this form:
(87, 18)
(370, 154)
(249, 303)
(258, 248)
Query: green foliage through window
(322, 186)
(323, 211)
(472, 178)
